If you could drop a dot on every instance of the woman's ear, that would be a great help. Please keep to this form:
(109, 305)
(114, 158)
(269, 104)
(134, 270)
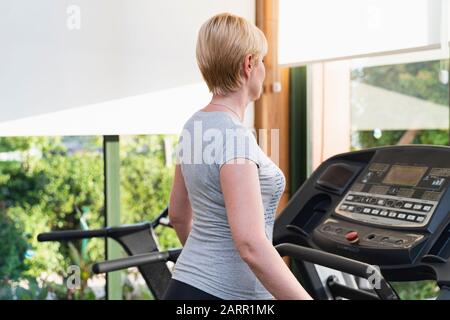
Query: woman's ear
(248, 65)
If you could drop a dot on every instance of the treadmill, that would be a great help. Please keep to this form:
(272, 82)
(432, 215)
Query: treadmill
(382, 214)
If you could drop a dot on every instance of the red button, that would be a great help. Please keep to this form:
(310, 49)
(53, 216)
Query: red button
(352, 236)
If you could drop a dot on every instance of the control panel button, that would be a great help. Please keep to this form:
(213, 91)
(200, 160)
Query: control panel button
(411, 217)
(420, 219)
(352, 236)
(375, 211)
(350, 198)
(344, 207)
(427, 208)
(384, 213)
(390, 203)
(392, 214)
(367, 210)
(399, 204)
(401, 216)
(381, 202)
(408, 205)
(418, 207)
(351, 208)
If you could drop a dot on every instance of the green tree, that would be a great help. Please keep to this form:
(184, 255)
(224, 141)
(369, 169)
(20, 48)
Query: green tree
(12, 249)
(46, 192)
(51, 187)
(146, 182)
(420, 80)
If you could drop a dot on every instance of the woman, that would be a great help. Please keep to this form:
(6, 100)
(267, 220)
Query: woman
(223, 206)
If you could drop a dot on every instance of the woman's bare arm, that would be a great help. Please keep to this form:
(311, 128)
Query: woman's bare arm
(245, 211)
(180, 211)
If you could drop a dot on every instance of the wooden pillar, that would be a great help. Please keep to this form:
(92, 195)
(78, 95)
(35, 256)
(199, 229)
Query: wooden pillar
(272, 109)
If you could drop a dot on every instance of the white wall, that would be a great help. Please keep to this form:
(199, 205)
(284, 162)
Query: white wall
(318, 30)
(102, 66)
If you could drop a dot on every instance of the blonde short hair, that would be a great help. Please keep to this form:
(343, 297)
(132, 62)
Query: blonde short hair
(223, 42)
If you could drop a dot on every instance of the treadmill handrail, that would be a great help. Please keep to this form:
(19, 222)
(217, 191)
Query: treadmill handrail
(65, 235)
(333, 261)
(112, 232)
(135, 261)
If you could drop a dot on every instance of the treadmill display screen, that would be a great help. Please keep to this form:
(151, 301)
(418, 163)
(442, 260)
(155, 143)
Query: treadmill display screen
(405, 175)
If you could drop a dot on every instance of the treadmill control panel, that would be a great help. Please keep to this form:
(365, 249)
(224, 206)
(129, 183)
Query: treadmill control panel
(395, 195)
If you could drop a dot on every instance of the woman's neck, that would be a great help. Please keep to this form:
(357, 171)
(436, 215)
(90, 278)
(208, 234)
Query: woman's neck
(236, 100)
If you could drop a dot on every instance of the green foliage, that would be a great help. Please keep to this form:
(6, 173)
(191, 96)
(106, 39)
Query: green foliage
(19, 184)
(46, 193)
(12, 249)
(33, 291)
(133, 289)
(420, 80)
(30, 288)
(50, 189)
(366, 139)
(435, 137)
(14, 144)
(146, 182)
(416, 290)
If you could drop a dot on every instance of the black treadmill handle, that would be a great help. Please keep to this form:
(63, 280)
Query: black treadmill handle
(135, 261)
(109, 232)
(71, 235)
(343, 264)
(339, 290)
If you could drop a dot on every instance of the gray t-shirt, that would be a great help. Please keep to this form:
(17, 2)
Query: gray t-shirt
(209, 260)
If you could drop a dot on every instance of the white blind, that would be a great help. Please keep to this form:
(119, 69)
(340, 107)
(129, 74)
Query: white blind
(102, 66)
(329, 29)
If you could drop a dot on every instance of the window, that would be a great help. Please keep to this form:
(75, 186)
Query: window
(400, 104)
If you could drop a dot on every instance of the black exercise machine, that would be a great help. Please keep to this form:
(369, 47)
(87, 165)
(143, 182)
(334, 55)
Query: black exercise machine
(388, 207)
(139, 242)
